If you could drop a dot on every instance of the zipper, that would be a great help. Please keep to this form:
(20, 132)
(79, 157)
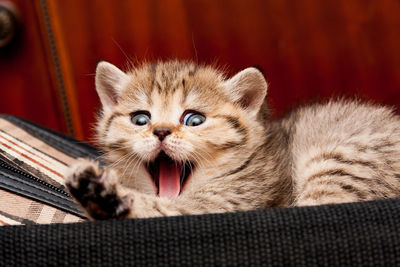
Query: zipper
(11, 168)
(17, 181)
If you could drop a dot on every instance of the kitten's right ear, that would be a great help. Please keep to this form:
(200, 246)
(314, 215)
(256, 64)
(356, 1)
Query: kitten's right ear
(110, 81)
(248, 88)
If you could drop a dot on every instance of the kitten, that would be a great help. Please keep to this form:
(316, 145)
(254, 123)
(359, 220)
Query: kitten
(182, 139)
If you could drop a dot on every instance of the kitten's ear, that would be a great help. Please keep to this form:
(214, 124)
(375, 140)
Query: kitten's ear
(109, 83)
(248, 88)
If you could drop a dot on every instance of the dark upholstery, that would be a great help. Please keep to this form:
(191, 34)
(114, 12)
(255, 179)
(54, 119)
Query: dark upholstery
(335, 235)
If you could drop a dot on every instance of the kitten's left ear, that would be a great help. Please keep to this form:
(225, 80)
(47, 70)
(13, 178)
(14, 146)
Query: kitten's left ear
(248, 88)
(110, 81)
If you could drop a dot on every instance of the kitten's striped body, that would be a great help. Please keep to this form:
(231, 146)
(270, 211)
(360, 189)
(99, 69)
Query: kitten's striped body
(341, 151)
(344, 152)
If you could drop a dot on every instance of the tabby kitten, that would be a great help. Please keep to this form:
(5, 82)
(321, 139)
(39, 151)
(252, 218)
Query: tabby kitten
(182, 139)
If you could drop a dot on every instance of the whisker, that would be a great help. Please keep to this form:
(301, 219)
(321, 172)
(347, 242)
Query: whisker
(137, 164)
(200, 157)
(111, 151)
(120, 160)
(128, 163)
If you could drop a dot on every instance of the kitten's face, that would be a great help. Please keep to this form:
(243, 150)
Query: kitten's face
(173, 125)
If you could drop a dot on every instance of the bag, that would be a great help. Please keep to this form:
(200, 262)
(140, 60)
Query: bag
(33, 162)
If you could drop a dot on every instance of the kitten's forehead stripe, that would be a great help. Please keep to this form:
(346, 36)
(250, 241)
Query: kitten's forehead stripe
(154, 69)
(159, 87)
(193, 71)
(148, 96)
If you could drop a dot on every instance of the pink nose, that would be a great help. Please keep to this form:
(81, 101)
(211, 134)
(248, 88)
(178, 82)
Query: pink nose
(161, 132)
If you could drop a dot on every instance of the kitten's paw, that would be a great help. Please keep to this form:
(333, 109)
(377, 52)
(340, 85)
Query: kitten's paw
(94, 188)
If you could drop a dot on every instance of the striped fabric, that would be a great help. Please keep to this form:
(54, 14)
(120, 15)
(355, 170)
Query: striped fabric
(33, 155)
(17, 210)
(40, 160)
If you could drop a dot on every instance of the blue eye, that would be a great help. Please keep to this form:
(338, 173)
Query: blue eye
(140, 119)
(193, 119)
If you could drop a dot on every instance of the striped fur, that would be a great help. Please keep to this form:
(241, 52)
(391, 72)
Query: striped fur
(340, 151)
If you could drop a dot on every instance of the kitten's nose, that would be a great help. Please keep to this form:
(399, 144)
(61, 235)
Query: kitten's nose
(161, 132)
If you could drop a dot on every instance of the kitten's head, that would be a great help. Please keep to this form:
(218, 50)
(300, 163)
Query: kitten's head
(166, 127)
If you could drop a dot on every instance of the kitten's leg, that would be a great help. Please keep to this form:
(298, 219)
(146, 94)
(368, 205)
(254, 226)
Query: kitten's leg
(96, 190)
(199, 202)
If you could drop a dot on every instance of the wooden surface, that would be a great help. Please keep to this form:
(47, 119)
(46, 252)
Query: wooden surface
(26, 84)
(308, 49)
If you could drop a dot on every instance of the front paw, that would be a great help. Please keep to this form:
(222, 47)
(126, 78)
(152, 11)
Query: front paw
(95, 189)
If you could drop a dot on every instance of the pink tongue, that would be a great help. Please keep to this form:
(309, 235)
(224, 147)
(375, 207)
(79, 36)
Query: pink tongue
(169, 179)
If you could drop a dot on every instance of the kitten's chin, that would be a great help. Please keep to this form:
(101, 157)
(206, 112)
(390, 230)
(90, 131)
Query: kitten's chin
(169, 176)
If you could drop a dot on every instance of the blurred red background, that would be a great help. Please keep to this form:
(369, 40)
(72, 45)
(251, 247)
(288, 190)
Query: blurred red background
(308, 49)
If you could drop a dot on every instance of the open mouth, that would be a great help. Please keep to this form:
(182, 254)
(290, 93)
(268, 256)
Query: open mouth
(168, 175)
